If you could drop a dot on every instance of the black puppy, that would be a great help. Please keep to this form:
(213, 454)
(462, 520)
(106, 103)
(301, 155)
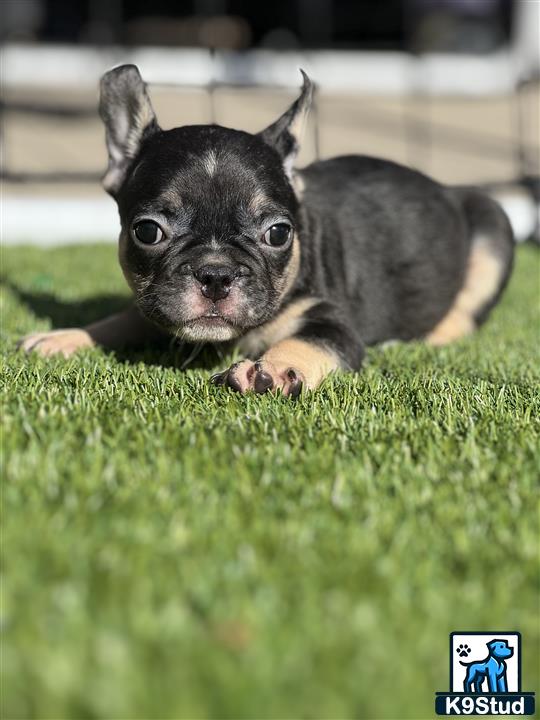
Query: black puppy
(222, 239)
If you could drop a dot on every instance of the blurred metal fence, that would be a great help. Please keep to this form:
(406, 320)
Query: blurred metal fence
(76, 113)
(419, 132)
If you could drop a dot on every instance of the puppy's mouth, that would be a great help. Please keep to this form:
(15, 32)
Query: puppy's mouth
(214, 314)
(211, 320)
(212, 326)
(189, 315)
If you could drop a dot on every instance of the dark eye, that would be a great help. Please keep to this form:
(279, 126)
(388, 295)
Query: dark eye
(148, 232)
(277, 235)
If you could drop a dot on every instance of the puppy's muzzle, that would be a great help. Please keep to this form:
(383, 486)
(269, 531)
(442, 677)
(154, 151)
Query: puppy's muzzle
(215, 281)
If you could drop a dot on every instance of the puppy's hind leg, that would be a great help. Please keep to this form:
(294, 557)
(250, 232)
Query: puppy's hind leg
(488, 269)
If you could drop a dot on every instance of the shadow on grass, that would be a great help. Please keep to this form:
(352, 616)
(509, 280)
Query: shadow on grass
(165, 352)
(68, 314)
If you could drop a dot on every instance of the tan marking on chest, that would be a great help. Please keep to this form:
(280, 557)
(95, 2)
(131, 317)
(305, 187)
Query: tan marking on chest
(284, 325)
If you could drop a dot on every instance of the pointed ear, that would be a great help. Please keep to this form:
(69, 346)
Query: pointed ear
(129, 118)
(284, 134)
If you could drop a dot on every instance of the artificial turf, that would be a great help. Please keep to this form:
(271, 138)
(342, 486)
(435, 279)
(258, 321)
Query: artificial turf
(175, 550)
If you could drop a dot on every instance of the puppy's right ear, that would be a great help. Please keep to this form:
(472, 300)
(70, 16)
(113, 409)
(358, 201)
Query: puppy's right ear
(129, 118)
(284, 134)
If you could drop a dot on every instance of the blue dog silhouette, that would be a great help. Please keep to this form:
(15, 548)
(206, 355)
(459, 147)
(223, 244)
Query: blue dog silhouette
(493, 668)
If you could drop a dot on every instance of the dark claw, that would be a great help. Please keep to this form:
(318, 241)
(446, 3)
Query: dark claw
(295, 388)
(258, 366)
(227, 378)
(219, 378)
(263, 381)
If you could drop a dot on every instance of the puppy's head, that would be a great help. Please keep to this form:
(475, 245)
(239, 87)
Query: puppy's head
(208, 241)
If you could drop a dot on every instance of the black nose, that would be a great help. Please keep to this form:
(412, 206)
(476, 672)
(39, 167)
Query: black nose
(216, 281)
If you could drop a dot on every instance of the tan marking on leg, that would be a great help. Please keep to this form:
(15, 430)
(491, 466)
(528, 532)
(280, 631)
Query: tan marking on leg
(453, 326)
(114, 332)
(288, 367)
(58, 342)
(482, 280)
(311, 361)
(285, 324)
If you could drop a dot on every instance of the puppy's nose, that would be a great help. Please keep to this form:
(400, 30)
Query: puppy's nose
(216, 281)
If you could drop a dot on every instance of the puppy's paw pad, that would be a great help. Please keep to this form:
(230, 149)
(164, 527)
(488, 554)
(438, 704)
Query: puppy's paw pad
(261, 377)
(57, 342)
(463, 650)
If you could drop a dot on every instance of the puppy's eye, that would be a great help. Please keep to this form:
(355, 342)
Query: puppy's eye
(148, 232)
(277, 235)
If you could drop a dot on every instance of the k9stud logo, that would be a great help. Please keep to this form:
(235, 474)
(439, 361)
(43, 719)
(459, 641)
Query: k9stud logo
(485, 676)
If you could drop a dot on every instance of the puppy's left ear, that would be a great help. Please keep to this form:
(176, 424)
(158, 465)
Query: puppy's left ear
(284, 134)
(129, 118)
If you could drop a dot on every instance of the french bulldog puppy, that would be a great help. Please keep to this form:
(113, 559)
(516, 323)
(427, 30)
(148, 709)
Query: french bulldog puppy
(223, 239)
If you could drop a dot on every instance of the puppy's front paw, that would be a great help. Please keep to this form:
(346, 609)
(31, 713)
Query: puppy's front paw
(63, 342)
(260, 377)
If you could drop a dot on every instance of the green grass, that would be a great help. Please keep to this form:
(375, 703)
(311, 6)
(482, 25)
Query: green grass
(174, 550)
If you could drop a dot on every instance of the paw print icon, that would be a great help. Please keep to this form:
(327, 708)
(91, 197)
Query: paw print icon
(463, 650)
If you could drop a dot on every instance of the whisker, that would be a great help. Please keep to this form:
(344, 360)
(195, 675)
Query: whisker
(195, 352)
